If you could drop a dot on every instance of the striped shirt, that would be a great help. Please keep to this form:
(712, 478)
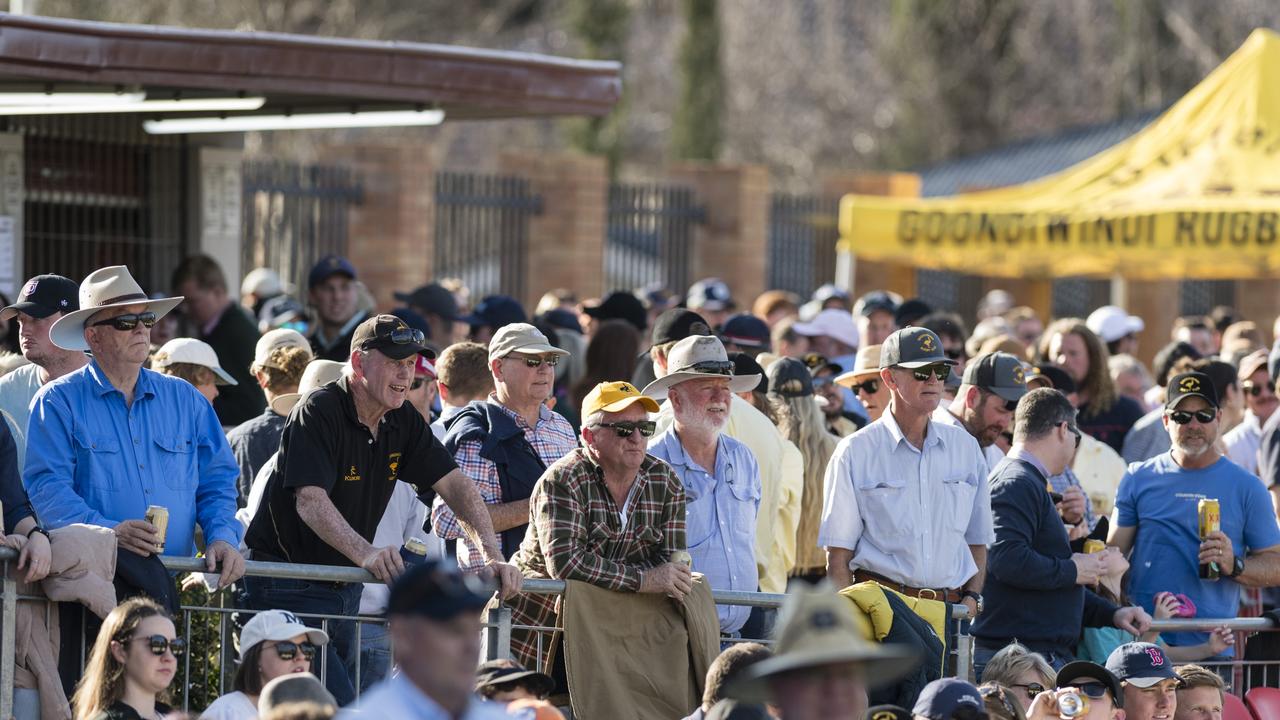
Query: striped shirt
(551, 439)
(576, 533)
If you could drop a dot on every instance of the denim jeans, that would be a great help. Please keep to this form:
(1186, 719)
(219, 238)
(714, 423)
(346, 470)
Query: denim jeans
(375, 654)
(306, 596)
(982, 656)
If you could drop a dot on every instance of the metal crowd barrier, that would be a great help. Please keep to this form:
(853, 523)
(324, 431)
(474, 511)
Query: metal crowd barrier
(498, 625)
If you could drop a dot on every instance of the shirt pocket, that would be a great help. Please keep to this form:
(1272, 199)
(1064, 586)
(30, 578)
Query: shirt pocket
(957, 501)
(746, 503)
(700, 516)
(175, 460)
(98, 463)
(886, 516)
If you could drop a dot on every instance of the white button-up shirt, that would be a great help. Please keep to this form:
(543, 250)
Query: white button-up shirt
(908, 514)
(1242, 442)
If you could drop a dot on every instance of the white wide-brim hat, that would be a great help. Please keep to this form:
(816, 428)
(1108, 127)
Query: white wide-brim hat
(695, 357)
(193, 352)
(318, 373)
(110, 287)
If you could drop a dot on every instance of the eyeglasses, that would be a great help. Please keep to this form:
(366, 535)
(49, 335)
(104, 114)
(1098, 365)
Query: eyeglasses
(535, 362)
(288, 650)
(159, 644)
(941, 371)
(128, 322)
(624, 428)
(1074, 431)
(1255, 390)
(1032, 689)
(1182, 417)
(400, 336)
(870, 387)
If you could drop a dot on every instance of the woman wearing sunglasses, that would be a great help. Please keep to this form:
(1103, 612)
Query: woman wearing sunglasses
(864, 381)
(132, 664)
(273, 644)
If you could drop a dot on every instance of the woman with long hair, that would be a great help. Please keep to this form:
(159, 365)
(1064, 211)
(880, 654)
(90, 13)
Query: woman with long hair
(611, 355)
(273, 644)
(802, 422)
(132, 664)
(1104, 414)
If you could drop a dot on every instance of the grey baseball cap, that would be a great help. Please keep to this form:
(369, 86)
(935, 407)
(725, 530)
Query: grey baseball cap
(999, 373)
(912, 347)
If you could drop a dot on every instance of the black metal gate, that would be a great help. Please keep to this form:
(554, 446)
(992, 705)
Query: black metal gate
(649, 236)
(482, 231)
(1199, 297)
(1077, 297)
(294, 215)
(98, 192)
(802, 242)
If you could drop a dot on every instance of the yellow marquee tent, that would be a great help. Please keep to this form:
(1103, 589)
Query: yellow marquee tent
(1196, 194)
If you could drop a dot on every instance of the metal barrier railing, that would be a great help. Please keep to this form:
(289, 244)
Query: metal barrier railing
(498, 625)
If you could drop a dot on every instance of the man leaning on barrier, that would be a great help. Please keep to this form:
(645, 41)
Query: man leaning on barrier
(343, 448)
(608, 514)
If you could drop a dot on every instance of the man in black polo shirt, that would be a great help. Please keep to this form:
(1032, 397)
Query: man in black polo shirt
(343, 448)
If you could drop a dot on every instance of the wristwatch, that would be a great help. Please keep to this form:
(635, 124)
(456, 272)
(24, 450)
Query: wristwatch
(1237, 567)
(42, 531)
(977, 598)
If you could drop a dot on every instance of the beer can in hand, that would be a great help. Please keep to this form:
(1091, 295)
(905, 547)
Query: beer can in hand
(1092, 546)
(413, 551)
(1210, 522)
(158, 515)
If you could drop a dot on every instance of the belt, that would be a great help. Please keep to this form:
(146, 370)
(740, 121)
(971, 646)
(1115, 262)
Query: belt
(951, 596)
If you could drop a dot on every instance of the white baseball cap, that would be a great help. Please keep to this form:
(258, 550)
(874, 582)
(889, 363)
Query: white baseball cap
(276, 339)
(195, 352)
(274, 626)
(833, 323)
(1111, 322)
(263, 282)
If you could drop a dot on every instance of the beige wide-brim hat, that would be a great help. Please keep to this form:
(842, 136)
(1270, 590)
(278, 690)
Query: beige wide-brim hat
(318, 373)
(696, 357)
(865, 365)
(816, 628)
(110, 287)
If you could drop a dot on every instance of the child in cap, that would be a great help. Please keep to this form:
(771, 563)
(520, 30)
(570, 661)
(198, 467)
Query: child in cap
(194, 361)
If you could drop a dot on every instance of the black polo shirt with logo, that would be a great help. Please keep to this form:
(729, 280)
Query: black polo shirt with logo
(325, 445)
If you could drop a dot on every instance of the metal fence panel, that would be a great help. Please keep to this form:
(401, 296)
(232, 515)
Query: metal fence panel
(1201, 296)
(294, 215)
(482, 231)
(802, 242)
(1077, 297)
(649, 236)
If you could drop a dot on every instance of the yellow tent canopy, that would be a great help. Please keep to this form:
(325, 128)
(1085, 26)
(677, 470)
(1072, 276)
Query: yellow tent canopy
(1196, 194)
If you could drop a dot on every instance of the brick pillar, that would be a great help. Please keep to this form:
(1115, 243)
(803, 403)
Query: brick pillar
(872, 274)
(566, 241)
(391, 233)
(733, 243)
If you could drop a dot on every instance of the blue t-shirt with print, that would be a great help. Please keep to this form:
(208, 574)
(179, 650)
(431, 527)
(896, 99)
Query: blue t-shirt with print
(1160, 498)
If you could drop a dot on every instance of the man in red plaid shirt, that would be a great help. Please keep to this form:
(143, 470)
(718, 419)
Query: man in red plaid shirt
(608, 514)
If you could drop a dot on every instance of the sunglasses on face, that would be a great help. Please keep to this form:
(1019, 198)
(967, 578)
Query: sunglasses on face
(1256, 390)
(624, 428)
(1032, 689)
(715, 367)
(288, 650)
(417, 383)
(870, 387)
(939, 370)
(536, 362)
(159, 644)
(1182, 417)
(1097, 691)
(128, 322)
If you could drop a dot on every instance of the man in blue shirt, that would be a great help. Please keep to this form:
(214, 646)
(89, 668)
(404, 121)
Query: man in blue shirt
(110, 439)
(722, 503)
(1156, 514)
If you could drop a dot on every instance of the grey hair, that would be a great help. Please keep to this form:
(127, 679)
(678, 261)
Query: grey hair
(593, 419)
(1125, 364)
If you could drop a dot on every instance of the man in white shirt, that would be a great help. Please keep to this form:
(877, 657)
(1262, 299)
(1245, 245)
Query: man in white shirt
(1257, 384)
(983, 407)
(906, 495)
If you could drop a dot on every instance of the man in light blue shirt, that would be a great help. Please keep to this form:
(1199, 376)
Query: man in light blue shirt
(110, 439)
(722, 503)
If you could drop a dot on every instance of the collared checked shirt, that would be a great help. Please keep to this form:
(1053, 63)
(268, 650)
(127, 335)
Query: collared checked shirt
(94, 460)
(576, 533)
(721, 517)
(908, 514)
(551, 439)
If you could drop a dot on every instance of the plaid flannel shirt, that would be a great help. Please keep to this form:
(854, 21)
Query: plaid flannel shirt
(551, 439)
(576, 533)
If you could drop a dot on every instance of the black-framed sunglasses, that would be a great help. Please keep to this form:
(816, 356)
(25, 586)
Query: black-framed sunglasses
(288, 650)
(1074, 431)
(715, 367)
(128, 322)
(535, 362)
(1255, 389)
(1032, 689)
(624, 428)
(400, 336)
(1093, 690)
(1182, 417)
(159, 644)
(870, 387)
(942, 371)
(417, 383)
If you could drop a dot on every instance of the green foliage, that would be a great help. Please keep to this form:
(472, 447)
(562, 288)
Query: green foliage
(602, 27)
(210, 631)
(697, 132)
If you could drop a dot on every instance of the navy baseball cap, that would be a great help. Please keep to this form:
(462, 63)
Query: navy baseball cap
(875, 301)
(1141, 664)
(433, 298)
(437, 590)
(950, 699)
(497, 311)
(1071, 674)
(328, 266)
(745, 330)
(44, 295)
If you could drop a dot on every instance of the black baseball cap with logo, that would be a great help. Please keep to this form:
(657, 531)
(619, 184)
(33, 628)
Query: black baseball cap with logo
(1190, 384)
(886, 712)
(1073, 672)
(912, 347)
(44, 295)
(677, 324)
(390, 336)
(999, 373)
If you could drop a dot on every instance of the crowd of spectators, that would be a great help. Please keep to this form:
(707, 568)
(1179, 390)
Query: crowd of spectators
(641, 443)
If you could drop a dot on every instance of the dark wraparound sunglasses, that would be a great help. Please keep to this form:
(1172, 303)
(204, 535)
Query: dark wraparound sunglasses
(402, 336)
(1255, 390)
(715, 367)
(128, 322)
(159, 644)
(1182, 417)
(942, 371)
(534, 362)
(288, 650)
(1074, 431)
(870, 387)
(625, 428)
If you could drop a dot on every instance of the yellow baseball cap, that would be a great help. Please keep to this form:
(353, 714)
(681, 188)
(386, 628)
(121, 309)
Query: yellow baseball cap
(616, 397)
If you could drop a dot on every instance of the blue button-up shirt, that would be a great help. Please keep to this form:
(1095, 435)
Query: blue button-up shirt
(92, 459)
(397, 697)
(720, 517)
